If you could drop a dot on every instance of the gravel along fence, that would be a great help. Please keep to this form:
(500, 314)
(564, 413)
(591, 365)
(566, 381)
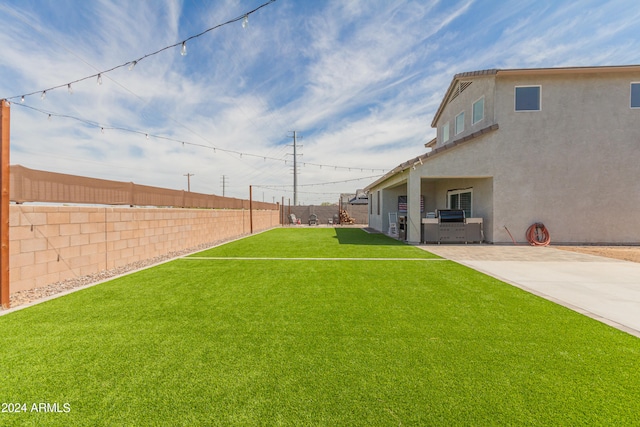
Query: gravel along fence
(33, 295)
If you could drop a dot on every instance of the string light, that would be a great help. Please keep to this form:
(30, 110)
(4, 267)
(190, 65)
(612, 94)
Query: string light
(70, 89)
(44, 95)
(131, 64)
(22, 99)
(183, 50)
(160, 137)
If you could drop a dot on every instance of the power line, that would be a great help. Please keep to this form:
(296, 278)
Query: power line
(272, 187)
(131, 64)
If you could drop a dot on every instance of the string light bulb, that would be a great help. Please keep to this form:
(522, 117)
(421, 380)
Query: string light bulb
(245, 21)
(132, 65)
(99, 79)
(49, 118)
(44, 95)
(70, 89)
(183, 50)
(22, 99)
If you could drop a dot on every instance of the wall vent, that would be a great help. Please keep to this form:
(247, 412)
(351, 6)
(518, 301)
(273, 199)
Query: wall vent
(460, 87)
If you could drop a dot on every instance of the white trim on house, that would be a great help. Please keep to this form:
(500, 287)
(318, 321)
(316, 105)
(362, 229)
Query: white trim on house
(515, 96)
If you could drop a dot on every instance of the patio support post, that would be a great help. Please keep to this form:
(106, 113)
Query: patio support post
(414, 216)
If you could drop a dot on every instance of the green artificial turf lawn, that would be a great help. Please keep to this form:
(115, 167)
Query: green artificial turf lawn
(315, 342)
(317, 243)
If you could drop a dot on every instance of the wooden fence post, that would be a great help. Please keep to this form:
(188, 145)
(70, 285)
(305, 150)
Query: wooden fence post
(5, 120)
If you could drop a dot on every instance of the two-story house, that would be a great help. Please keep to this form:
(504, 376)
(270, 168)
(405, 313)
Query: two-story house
(514, 147)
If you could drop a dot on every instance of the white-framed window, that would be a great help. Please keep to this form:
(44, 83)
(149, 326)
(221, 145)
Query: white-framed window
(460, 123)
(461, 199)
(635, 95)
(445, 132)
(478, 111)
(527, 98)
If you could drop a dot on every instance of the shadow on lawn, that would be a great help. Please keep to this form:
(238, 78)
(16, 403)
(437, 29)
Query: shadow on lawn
(356, 236)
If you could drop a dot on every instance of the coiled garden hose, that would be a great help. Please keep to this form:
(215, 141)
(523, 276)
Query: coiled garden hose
(538, 235)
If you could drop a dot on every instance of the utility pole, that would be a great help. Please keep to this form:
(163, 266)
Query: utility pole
(295, 169)
(251, 209)
(224, 184)
(189, 175)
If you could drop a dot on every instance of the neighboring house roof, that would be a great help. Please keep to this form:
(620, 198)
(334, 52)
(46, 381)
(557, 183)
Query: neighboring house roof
(455, 86)
(359, 201)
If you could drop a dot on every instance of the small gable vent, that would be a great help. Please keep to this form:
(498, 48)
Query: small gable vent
(460, 87)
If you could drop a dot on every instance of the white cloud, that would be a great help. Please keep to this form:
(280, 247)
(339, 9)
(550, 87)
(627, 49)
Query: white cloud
(360, 80)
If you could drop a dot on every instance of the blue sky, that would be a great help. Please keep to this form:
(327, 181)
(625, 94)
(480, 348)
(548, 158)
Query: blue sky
(359, 80)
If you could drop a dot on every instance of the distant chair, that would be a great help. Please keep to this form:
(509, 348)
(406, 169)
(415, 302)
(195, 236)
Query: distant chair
(292, 219)
(393, 227)
(313, 219)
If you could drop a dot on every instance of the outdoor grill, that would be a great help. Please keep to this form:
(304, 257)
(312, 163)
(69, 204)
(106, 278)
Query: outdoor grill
(451, 226)
(451, 215)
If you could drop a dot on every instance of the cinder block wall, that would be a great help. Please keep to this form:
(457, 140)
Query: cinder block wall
(50, 244)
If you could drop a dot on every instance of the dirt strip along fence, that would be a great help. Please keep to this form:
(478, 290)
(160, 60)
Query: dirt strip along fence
(50, 244)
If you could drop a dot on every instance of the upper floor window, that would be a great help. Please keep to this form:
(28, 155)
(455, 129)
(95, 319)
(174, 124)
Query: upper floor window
(528, 98)
(478, 110)
(445, 132)
(635, 95)
(460, 123)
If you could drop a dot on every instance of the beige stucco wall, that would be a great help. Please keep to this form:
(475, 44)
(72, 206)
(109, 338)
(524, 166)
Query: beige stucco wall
(572, 165)
(50, 244)
(481, 87)
(394, 187)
